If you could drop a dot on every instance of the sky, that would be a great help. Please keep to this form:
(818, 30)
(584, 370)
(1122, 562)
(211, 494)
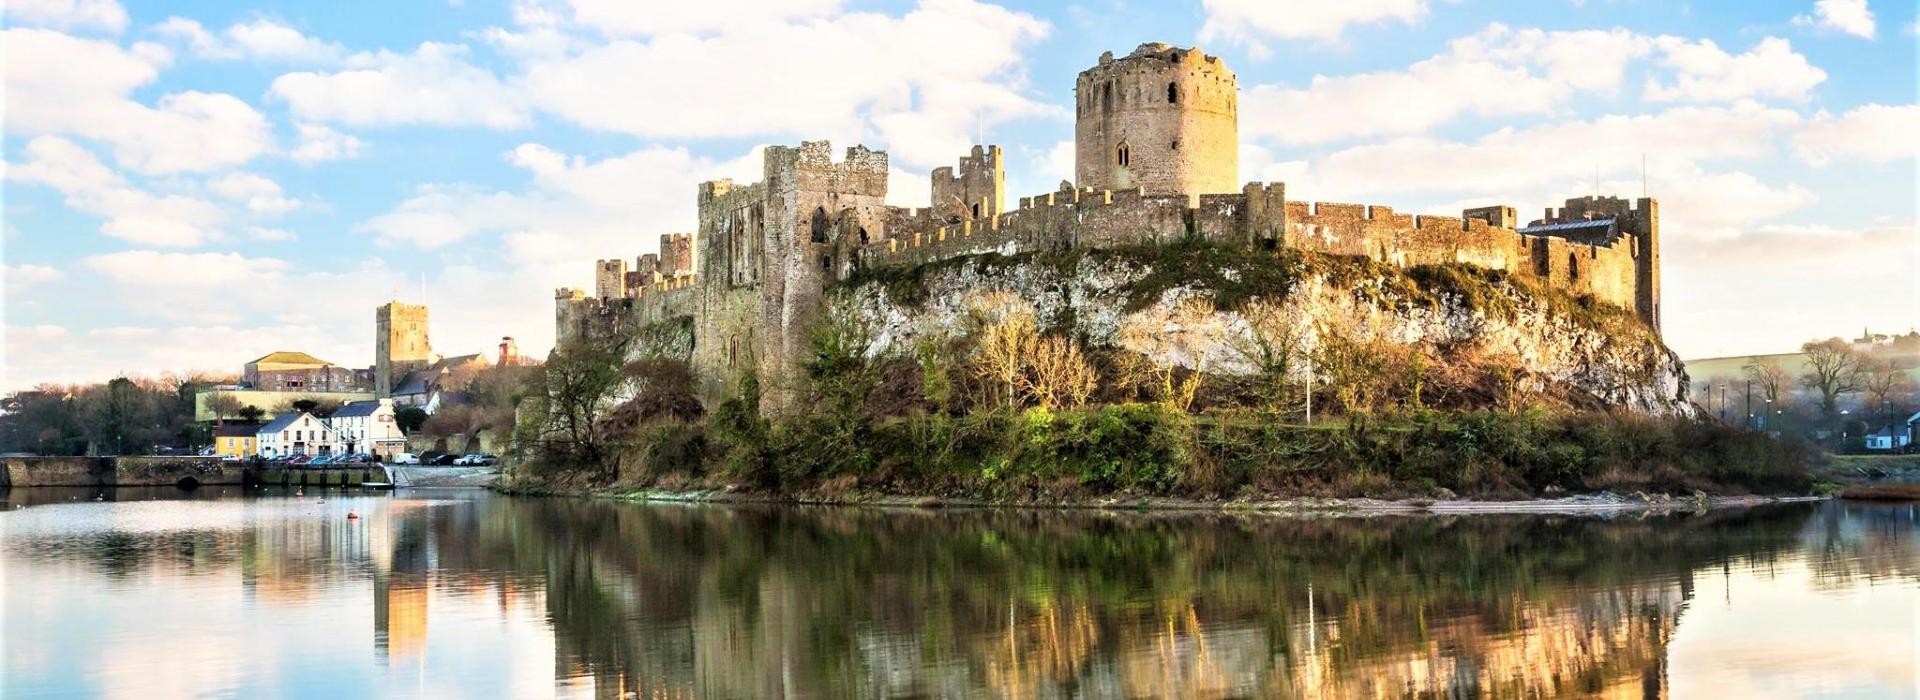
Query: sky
(189, 186)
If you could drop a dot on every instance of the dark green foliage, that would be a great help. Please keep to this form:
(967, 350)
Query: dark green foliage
(410, 419)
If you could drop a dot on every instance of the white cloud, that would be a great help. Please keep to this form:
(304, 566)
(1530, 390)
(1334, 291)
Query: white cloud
(258, 193)
(260, 39)
(153, 270)
(1247, 22)
(1873, 132)
(891, 79)
(67, 14)
(131, 213)
(1817, 280)
(20, 277)
(1532, 70)
(433, 85)
(61, 84)
(319, 143)
(1511, 159)
(1845, 16)
(1706, 73)
(620, 17)
(265, 234)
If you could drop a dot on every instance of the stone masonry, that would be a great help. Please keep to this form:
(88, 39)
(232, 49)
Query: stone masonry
(1155, 144)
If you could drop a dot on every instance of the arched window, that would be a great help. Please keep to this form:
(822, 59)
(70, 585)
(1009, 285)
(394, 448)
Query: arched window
(1173, 93)
(976, 210)
(1573, 267)
(863, 235)
(1120, 154)
(820, 224)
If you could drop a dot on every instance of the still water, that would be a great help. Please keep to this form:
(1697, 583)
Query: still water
(463, 594)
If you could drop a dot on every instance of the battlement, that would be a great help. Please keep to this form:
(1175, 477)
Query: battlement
(818, 155)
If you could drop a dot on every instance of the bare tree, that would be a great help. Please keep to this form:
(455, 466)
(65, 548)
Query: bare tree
(1833, 370)
(1002, 355)
(1058, 374)
(1770, 377)
(1887, 387)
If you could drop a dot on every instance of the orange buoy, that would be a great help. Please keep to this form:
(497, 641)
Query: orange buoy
(352, 515)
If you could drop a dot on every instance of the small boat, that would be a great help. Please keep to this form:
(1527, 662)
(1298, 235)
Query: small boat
(352, 515)
(375, 485)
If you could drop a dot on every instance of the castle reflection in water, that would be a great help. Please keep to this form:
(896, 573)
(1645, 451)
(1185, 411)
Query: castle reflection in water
(671, 601)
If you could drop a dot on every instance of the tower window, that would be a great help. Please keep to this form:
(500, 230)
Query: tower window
(976, 210)
(1573, 267)
(1120, 154)
(1106, 96)
(819, 224)
(1173, 93)
(1175, 145)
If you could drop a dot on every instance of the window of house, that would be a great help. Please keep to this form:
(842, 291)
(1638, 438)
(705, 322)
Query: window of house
(1120, 154)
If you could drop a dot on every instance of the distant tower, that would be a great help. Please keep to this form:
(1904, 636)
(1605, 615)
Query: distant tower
(1163, 119)
(399, 344)
(610, 279)
(978, 189)
(509, 351)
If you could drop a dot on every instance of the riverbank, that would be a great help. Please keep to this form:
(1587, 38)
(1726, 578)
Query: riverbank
(1602, 503)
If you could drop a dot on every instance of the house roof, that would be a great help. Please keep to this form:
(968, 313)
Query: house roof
(1568, 226)
(236, 430)
(357, 409)
(280, 423)
(289, 357)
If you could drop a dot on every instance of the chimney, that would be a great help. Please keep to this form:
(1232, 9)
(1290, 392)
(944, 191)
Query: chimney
(509, 351)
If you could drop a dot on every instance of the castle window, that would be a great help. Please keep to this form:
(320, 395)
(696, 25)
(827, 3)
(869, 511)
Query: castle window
(1120, 154)
(1573, 267)
(826, 263)
(819, 224)
(976, 210)
(1106, 96)
(1175, 145)
(863, 236)
(1173, 93)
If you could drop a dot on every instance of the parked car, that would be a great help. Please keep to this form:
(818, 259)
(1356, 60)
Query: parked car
(320, 460)
(299, 459)
(443, 460)
(485, 460)
(230, 458)
(406, 458)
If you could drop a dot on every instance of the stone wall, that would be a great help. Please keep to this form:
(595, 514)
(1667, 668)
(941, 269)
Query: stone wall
(119, 471)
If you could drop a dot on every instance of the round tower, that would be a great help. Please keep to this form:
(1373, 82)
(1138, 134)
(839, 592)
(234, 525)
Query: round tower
(1163, 119)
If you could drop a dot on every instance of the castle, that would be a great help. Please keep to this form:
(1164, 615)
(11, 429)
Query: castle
(1156, 139)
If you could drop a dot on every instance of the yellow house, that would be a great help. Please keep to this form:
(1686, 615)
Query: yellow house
(236, 439)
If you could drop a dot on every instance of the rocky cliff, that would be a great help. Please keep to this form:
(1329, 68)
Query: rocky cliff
(1187, 305)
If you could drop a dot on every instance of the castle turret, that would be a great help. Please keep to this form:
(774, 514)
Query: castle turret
(399, 344)
(977, 191)
(1163, 119)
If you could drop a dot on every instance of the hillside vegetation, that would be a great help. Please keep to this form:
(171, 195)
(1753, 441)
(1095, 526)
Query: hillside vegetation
(1187, 370)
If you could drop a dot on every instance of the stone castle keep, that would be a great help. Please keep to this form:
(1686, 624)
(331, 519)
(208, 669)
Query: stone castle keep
(1155, 156)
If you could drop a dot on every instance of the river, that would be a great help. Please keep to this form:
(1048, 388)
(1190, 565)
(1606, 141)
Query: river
(464, 594)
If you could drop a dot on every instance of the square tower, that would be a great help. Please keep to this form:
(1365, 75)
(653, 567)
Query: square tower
(399, 344)
(1163, 119)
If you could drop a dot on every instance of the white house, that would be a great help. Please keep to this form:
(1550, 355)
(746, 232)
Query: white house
(368, 426)
(297, 433)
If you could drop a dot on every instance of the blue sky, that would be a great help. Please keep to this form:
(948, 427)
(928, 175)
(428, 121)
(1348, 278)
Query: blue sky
(191, 185)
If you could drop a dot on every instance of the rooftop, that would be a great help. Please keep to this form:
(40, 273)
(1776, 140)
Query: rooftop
(289, 357)
(1568, 226)
(357, 409)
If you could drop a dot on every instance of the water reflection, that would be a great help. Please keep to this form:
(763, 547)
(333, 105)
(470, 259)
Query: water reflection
(463, 594)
